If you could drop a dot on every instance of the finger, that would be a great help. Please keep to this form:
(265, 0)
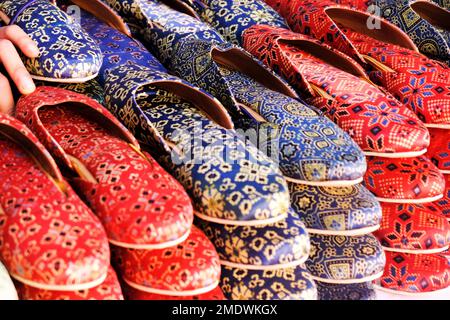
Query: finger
(19, 38)
(6, 98)
(15, 68)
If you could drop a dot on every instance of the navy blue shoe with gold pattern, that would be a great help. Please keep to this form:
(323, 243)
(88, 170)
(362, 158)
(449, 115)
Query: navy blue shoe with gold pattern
(344, 211)
(345, 260)
(67, 53)
(190, 133)
(283, 284)
(340, 292)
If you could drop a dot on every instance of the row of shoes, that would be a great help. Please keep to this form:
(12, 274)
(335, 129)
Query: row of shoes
(289, 215)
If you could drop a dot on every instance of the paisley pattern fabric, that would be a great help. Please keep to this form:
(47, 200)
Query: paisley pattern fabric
(413, 228)
(344, 260)
(108, 290)
(131, 293)
(410, 180)
(351, 210)
(415, 273)
(439, 149)
(377, 122)
(48, 237)
(66, 52)
(431, 39)
(309, 148)
(189, 268)
(282, 284)
(140, 204)
(261, 247)
(354, 291)
(91, 89)
(161, 26)
(420, 83)
(231, 18)
(7, 289)
(245, 187)
(444, 203)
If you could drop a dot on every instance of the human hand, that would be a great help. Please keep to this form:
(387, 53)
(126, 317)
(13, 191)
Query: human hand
(10, 38)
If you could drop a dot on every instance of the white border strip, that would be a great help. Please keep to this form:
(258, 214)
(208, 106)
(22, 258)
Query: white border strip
(348, 233)
(349, 281)
(409, 294)
(411, 154)
(337, 183)
(151, 246)
(412, 251)
(252, 223)
(172, 293)
(291, 264)
(410, 201)
(437, 126)
(66, 81)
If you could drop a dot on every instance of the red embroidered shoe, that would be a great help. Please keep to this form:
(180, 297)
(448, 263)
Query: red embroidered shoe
(404, 180)
(413, 229)
(387, 53)
(444, 203)
(131, 293)
(140, 205)
(49, 238)
(109, 290)
(415, 273)
(336, 84)
(439, 149)
(188, 269)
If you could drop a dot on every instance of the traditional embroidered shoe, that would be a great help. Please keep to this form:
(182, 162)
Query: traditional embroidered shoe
(444, 203)
(424, 22)
(413, 229)
(49, 238)
(439, 149)
(284, 244)
(108, 290)
(282, 284)
(354, 291)
(131, 293)
(309, 148)
(231, 18)
(190, 268)
(404, 180)
(344, 211)
(67, 54)
(443, 3)
(377, 122)
(345, 260)
(193, 136)
(7, 289)
(414, 273)
(393, 62)
(161, 26)
(140, 205)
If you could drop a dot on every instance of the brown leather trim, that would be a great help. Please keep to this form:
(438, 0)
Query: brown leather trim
(434, 14)
(104, 13)
(181, 7)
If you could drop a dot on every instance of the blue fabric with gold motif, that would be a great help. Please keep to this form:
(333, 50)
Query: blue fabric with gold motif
(279, 284)
(345, 260)
(229, 181)
(350, 210)
(67, 53)
(425, 23)
(342, 292)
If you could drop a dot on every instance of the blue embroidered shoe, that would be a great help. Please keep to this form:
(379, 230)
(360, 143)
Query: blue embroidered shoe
(345, 260)
(268, 247)
(344, 211)
(425, 23)
(231, 18)
(281, 284)
(354, 291)
(67, 54)
(91, 88)
(310, 148)
(443, 3)
(191, 134)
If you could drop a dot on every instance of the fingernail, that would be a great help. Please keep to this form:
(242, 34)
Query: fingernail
(34, 50)
(27, 85)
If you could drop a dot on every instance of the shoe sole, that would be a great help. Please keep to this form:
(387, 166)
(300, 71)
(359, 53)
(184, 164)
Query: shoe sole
(172, 293)
(410, 294)
(72, 287)
(252, 223)
(349, 281)
(348, 233)
(395, 155)
(66, 81)
(337, 183)
(273, 267)
(431, 251)
(411, 201)
(151, 246)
